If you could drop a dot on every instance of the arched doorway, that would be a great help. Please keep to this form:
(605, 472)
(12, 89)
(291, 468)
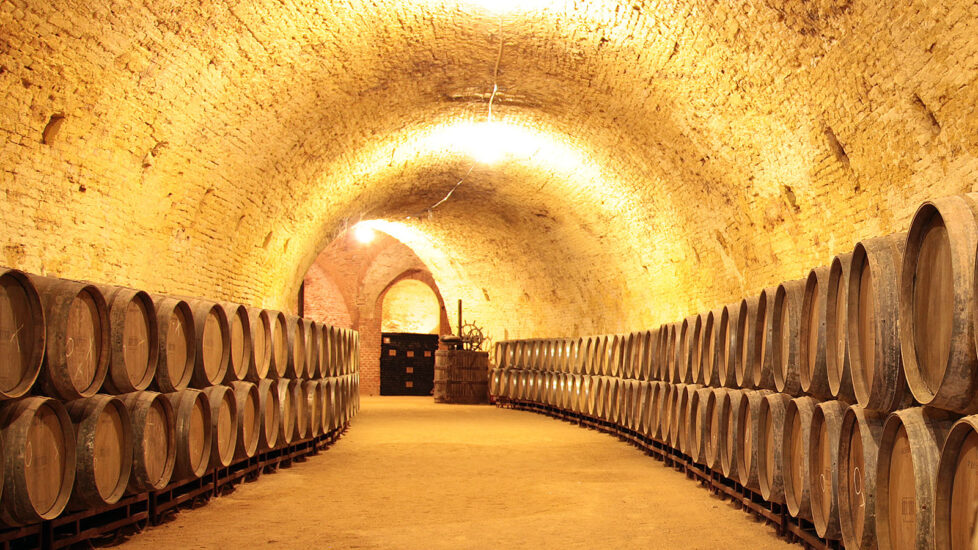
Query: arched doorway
(411, 313)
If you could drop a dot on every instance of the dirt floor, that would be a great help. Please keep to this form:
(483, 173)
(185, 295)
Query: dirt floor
(413, 474)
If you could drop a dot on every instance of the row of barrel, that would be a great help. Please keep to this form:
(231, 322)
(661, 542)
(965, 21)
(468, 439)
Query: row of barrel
(907, 479)
(886, 326)
(74, 339)
(109, 391)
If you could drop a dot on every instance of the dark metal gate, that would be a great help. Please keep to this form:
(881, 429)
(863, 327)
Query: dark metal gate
(407, 363)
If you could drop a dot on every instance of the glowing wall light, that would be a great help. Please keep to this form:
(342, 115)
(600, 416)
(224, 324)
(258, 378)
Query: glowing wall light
(363, 233)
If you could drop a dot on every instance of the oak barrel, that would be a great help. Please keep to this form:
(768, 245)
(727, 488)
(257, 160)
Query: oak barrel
(814, 311)
(303, 414)
(837, 365)
(154, 453)
(103, 450)
(937, 304)
(762, 373)
(728, 428)
(296, 330)
(286, 411)
(796, 455)
(224, 425)
(76, 358)
(269, 407)
(260, 357)
(178, 349)
(747, 423)
(859, 439)
(726, 345)
(823, 468)
(957, 486)
(313, 368)
(714, 428)
(38, 460)
(770, 444)
(909, 453)
(874, 338)
(786, 336)
(746, 338)
(312, 393)
(133, 340)
(280, 354)
(213, 335)
(709, 356)
(248, 412)
(193, 433)
(22, 333)
(699, 424)
(240, 355)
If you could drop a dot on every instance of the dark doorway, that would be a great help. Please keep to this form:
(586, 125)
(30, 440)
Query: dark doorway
(407, 363)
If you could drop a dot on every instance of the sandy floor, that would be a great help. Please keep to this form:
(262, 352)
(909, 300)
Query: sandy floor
(413, 474)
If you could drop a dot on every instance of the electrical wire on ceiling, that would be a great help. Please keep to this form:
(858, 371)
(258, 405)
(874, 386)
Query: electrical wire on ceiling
(492, 97)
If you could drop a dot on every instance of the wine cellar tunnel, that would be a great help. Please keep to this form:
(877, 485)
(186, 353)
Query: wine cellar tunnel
(669, 220)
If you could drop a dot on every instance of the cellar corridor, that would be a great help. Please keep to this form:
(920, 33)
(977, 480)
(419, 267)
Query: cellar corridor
(414, 474)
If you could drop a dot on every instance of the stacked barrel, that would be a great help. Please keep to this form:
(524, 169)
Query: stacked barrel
(108, 391)
(848, 395)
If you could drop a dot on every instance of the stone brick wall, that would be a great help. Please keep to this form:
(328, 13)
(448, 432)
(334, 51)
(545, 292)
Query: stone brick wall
(665, 157)
(349, 276)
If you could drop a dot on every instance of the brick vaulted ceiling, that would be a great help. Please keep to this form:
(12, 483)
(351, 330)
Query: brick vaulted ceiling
(661, 157)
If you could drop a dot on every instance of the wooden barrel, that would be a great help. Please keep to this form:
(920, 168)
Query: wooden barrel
(877, 370)
(837, 331)
(613, 401)
(297, 348)
(709, 357)
(224, 425)
(287, 413)
(714, 428)
(957, 486)
(823, 471)
(859, 439)
(76, 359)
(192, 429)
(280, 345)
(38, 460)
(762, 373)
(313, 367)
(675, 419)
(657, 366)
(668, 416)
(796, 455)
(613, 361)
(154, 450)
(673, 353)
(770, 437)
(699, 434)
(314, 406)
(269, 406)
(240, 356)
(728, 428)
(628, 349)
(325, 394)
(22, 333)
(248, 418)
(684, 356)
(213, 336)
(726, 346)
(177, 347)
(786, 336)
(814, 310)
(748, 414)
(937, 304)
(909, 454)
(460, 376)
(694, 374)
(641, 356)
(103, 450)
(746, 340)
(133, 340)
(640, 407)
(686, 417)
(260, 354)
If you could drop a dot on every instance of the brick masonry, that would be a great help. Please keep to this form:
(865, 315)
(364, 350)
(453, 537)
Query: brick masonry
(702, 150)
